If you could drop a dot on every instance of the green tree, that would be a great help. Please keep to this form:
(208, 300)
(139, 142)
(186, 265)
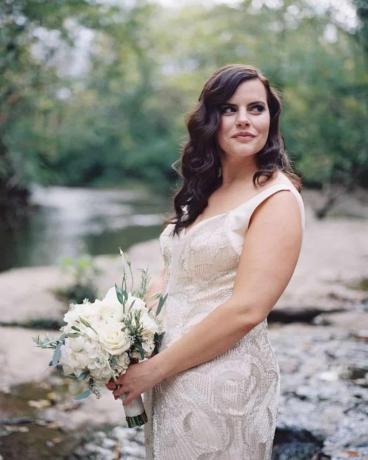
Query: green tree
(27, 87)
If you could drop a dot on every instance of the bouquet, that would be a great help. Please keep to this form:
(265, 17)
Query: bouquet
(102, 338)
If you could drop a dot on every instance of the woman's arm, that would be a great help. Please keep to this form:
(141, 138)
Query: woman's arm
(267, 262)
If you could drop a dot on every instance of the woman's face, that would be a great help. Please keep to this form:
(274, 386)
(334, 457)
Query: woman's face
(246, 112)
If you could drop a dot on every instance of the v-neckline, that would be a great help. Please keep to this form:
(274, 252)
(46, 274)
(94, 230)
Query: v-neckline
(187, 231)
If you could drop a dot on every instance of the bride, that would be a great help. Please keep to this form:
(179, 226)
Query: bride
(229, 252)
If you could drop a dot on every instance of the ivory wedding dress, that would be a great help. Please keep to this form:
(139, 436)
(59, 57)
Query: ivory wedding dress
(226, 408)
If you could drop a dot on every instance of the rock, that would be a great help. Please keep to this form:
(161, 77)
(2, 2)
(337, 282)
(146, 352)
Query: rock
(16, 350)
(349, 320)
(27, 292)
(323, 390)
(329, 264)
(301, 315)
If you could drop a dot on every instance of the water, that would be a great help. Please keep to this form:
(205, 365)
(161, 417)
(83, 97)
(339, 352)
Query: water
(73, 221)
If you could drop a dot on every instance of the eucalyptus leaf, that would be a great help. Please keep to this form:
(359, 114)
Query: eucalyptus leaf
(73, 334)
(140, 349)
(57, 355)
(82, 375)
(87, 323)
(83, 395)
(161, 304)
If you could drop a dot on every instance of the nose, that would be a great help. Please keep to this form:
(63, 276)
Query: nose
(242, 118)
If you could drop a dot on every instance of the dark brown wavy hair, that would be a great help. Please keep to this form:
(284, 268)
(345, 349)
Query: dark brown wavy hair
(200, 154)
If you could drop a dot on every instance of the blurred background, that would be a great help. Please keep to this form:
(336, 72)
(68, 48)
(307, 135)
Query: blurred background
(93, 99)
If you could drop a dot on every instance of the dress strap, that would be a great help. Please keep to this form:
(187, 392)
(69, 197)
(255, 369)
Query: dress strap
(262, 196)
(239, 219)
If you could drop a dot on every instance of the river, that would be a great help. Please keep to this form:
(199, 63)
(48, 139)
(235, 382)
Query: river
(74, 221)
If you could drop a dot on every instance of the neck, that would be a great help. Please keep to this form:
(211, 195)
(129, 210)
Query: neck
(234, 172)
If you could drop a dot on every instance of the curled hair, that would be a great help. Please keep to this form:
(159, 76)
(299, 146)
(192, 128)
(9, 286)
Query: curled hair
(200, 155)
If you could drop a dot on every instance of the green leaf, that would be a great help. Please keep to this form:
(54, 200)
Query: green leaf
(87, 323)
(119, 294)
(73, 334)
(131, 306)
(83, 395)
(140, 349)
(56, 356)
(82, 375)
(161, 304)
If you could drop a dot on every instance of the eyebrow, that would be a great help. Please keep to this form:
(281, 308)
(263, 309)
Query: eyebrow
(250, 103)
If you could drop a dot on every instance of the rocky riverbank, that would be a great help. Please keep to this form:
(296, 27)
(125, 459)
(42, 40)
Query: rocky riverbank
(318, 329)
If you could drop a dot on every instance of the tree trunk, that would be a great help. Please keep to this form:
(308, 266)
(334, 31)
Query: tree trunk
(14, 197)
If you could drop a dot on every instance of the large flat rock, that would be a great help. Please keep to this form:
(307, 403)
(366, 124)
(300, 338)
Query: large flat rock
(26, 293)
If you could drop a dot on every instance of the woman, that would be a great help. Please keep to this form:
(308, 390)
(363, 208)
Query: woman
(229, 254)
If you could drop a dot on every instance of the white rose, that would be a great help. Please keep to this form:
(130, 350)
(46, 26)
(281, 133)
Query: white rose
(114, 340)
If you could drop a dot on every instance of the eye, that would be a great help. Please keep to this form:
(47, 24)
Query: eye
(226, 108)
(258, 108)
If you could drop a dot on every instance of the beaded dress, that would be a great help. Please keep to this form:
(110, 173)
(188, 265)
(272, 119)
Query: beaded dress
(226, 408)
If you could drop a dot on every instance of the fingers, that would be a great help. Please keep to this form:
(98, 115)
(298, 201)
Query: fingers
(119, 390)
(111, 385)
(129, 399)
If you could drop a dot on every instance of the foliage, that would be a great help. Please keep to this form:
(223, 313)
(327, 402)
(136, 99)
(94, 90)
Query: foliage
(83, 273)
(122, 118)
(28, 91)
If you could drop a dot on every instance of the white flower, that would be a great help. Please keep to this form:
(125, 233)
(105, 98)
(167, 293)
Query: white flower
(105, 312)
(111, 297)
(72, 315)
(100, 368)
(150, 326)
(114, 340)
(69, 359)
(109, 308)
(135, 304)
(123, 362)
(75, 312)
(148, 347)
(79, 354)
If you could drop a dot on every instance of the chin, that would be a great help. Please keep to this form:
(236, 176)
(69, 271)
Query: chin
(242, 154)
(246, 151)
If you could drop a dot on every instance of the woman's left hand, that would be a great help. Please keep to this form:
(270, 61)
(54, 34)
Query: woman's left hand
(137, 379)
